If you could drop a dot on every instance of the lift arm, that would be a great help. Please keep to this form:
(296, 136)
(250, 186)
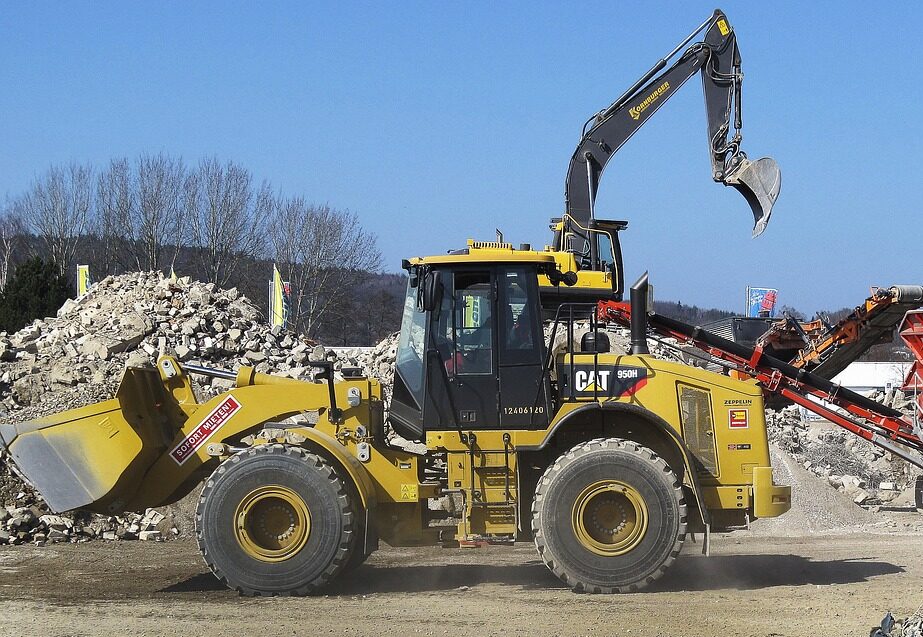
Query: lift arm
(718, 59)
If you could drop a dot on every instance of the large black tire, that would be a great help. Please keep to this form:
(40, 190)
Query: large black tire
(609, 516)
(918, 493)
(275, 520)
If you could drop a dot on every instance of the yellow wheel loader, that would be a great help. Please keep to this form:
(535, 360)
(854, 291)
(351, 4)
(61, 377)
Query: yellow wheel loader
(606, 460)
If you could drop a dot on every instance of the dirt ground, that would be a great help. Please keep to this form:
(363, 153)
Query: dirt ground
(819, 585)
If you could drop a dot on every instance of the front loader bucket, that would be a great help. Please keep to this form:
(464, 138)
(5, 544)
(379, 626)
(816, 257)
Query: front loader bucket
(759, 182)
(94, 456)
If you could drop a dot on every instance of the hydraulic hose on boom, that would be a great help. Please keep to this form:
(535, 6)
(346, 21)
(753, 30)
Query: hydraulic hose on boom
(718, 59)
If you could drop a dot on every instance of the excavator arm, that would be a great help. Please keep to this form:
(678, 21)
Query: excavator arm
(717, 58)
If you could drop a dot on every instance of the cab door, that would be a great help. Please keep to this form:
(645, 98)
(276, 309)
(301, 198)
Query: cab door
(485, 368)
(462, 377)
(524, 387)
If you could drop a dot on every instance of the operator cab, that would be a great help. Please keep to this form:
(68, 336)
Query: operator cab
(471, 351)
(592, 256)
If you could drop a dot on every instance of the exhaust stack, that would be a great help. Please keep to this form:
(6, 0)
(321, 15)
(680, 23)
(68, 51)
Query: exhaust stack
(639, 293)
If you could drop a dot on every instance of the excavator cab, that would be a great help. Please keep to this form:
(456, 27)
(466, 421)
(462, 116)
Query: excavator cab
(590, 260)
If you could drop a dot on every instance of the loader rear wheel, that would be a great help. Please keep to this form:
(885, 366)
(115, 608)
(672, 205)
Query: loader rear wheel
(608, 516)
(276, 520)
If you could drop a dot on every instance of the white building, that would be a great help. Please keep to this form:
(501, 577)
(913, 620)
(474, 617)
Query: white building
(865, 377)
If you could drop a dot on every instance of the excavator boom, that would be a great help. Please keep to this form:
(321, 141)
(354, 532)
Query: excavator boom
(717, 58)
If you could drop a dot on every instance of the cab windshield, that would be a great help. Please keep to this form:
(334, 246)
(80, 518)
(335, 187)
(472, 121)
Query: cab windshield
(410, 347)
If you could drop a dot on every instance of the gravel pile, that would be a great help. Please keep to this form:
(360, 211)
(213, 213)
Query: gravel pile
(910, 627)
(77, 358)
(25, 519)
(855, 467)
(816, 508)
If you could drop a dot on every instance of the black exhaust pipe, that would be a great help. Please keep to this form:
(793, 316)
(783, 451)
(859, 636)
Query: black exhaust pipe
(639, 316)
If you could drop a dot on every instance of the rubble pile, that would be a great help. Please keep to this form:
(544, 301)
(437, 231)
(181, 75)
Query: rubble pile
(25, 519)
(868, 474)
(910, 627)
(668, 349)
(77, 357)
(377, 362)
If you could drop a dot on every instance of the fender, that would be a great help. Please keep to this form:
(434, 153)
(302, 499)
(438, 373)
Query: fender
(331, 448)
(613, 407)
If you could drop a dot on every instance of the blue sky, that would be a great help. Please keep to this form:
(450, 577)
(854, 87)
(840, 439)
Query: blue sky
(436, 122)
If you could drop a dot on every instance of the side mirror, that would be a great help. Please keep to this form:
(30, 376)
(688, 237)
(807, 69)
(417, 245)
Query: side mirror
(432, 291)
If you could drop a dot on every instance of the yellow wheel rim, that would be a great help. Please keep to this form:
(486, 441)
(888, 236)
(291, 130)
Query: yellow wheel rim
(610, 518)
(272, 523)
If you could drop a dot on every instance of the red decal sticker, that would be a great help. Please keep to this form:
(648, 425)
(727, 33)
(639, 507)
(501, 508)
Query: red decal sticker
(212, 423)
(634, 389)
(738, 418)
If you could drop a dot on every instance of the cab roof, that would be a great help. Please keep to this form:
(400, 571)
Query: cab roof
(486, 252)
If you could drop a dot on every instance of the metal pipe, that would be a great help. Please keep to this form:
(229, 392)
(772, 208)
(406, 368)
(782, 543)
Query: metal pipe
(326, 374)
(210, 371)
(654, 70)
(639, 316)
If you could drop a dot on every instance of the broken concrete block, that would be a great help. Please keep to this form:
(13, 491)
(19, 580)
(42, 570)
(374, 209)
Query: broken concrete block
(63, 373)
(56, 522)
(95, 347)
(255, 356)
(152, 516)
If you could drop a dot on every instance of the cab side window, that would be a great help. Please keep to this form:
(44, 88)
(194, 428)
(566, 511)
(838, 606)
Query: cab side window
(473, 324)
(518, 321)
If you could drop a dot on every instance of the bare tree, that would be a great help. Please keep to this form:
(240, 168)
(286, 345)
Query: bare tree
(12, 235)
(323, 252)
(57, 208)
(160, 211)
(226, 218)
(115, 204)
(141, 211)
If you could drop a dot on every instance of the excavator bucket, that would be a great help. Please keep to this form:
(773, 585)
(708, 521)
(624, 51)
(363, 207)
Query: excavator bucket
(759, 182)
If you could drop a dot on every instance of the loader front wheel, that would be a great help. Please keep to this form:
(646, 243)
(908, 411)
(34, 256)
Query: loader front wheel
(608, 516)
(276, 520)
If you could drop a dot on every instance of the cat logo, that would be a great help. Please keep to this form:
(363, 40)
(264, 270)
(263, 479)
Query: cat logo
(610, 382)
(592, 381)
